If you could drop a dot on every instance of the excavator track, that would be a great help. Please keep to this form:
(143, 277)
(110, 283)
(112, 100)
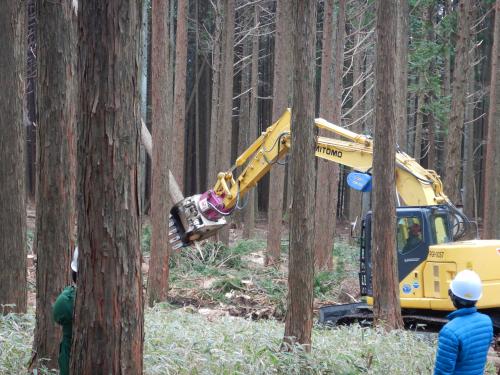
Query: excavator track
(416, 320)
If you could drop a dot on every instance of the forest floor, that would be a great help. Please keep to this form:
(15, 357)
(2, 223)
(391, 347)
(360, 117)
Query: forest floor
(215, 280)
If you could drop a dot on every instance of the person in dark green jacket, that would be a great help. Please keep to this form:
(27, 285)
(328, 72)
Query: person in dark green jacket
(62, 312)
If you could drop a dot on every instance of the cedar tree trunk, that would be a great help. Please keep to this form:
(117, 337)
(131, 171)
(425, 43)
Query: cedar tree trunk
(108, 324)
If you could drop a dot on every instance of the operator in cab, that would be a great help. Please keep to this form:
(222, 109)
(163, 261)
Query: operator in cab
(464, 341)
(414, 238)
(62, 312)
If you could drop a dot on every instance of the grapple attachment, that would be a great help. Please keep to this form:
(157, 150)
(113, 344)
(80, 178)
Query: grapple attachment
(196, 218)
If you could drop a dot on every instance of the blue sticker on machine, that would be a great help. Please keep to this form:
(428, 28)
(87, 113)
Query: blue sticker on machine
(406, 288)
(360, 181)
(416, 284)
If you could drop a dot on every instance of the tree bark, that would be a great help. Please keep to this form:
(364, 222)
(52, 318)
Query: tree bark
(453, 141)
(31, 106)
(244, 139)
(179, 125)
(431, 123)
(253, 123)
(108, 330)
(216, 78)
(248, 110)
(145, 83)
(356, 197)
(56, 172)
(330, 109)
(299, 315)
(222, 96)
(402, 74)
(197, 77)
(162, 123)
(281, 97)
(417, 146)
(468, 178)
(491, 168)
(386, 309)
(12, 180)
(225, 109)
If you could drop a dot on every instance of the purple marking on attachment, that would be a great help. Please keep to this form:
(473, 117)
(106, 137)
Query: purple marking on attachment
(215, 200)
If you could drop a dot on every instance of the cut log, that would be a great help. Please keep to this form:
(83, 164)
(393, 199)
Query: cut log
(175, 192)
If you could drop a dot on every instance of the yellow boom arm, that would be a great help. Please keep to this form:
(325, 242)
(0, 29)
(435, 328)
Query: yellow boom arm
(202, 215)
(415, 185)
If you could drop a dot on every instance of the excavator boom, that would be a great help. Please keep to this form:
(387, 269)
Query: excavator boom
(200, 216)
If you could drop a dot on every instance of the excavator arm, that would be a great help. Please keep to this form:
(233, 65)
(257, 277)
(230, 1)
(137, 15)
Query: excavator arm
(200, 216)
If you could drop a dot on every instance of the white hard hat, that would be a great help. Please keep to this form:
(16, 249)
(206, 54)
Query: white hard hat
(74, 261)
(467, 285)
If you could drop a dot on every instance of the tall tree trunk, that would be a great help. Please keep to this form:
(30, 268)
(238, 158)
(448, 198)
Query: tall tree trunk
(56, 181)
(447, 56)
(468, 166)
(108, 325)
(298, 322)
(205, 94)
(225, 109)
(147, 168)
(491, 168)
(31, 88)
(216, 79)
(330, 108)
(197, 131)
(253, 123)
(417, 146)
(248, 110)
(162, 123)
(453, 141)
(12, 180)
(244, 139)
(370, 96)
(421, 94)
(386, 307)
(431, 123)
(356, 197)
(179, 125)
(402, 74)
(281, 98)
(144, 84)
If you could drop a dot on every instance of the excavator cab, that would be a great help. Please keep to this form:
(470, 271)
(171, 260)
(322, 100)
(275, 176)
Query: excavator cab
(417, 228)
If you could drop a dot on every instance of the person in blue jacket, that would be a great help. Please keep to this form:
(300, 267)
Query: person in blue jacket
(62, 312)
(464, 341)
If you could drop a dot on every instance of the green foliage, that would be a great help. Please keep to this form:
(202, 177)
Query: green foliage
(16, 334)
(324, 282)
(228, 284)
(248, 246)
(276, 291)
(30, 238)
(208, 256)
(178, 342)
(182, 343)
(346, 259)
(146, 239)
(427, 57)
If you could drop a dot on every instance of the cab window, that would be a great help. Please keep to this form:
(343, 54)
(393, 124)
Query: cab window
(409, 234)
(441, 229)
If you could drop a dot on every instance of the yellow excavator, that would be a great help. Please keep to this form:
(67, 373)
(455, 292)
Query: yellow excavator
(429, 227)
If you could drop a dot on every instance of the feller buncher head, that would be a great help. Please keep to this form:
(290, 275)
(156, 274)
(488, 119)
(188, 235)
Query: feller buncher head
(196, 218)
